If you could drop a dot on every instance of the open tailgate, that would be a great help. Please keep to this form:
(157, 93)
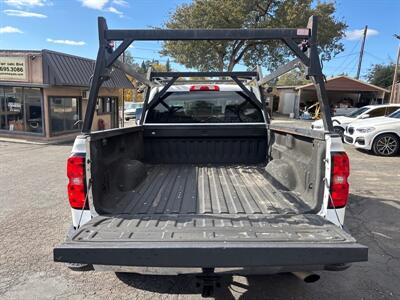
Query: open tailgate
(210, 241)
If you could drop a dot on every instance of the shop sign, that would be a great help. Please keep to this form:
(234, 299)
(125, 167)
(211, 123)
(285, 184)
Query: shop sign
(14, 106)
(13, 68)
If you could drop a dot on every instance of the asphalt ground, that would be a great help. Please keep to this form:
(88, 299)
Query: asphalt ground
(34, 217)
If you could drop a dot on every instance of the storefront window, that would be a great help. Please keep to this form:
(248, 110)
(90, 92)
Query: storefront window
(104, 105)
(65, 114)
(33, 110)
(21, 109)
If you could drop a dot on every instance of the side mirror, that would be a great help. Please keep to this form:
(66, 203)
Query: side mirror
(365, 116)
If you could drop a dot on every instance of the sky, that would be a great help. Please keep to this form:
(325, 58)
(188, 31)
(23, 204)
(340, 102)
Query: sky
(70, 26)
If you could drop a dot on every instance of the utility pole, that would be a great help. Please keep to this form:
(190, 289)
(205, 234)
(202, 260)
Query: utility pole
(361, 52)
(394, 90)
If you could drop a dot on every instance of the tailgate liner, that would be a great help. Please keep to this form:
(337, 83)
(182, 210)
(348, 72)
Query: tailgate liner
(210, 241)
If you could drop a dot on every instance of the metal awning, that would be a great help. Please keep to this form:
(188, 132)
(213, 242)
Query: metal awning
(23, 84)
(61, 69)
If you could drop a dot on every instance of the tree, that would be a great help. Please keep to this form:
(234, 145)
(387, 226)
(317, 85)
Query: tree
(381, 74)
(292, 78)
(168, 66)
(224, 55)
(155, 65)
(143, 67)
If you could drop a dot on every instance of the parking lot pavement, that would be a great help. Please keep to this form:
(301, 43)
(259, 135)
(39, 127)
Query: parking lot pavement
(34, 216)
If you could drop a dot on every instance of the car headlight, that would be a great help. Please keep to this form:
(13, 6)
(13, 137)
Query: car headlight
(365, 130)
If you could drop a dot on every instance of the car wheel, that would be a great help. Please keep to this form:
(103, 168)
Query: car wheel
(386, 144)
(339, 131)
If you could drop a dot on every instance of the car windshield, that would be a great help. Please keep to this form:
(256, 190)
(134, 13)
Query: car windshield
(358, 112)
(396, 114)
(132, 105)
(205, 107)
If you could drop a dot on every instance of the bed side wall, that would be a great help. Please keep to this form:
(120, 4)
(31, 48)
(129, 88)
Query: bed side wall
(116, 165)
(297, 164)
(205, 144)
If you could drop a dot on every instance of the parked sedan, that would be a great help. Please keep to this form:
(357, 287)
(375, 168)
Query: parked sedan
(370, 111)
(130, 110)
(381, 135)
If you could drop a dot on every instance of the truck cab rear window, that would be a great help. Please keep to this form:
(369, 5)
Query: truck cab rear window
(204, 107)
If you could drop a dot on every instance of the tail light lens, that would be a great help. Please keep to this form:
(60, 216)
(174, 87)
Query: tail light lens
(196, 88)
(339, 184)
(76, 184)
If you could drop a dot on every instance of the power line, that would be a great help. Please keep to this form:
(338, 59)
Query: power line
(352, 53)
(343, 56)
(376, 57)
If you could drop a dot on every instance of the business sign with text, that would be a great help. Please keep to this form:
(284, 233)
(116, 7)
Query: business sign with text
(13, 68)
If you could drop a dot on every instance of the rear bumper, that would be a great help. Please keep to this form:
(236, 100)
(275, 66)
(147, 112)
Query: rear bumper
(170, 271)
(213, 254)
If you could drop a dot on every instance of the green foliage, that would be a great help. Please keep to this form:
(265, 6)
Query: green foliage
(155, 65)
(293, 78)
(143, 67)
(224, 55)
(381, 75)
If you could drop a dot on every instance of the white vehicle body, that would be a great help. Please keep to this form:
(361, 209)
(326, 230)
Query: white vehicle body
(327, 210)
(334, 145)
(363, 133)
(366, 112)
(205, 184)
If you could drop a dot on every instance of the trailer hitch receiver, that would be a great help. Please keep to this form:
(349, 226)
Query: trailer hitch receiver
(208, 281)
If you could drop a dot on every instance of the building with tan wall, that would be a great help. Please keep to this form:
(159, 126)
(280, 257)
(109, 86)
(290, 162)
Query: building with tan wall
(43, 95)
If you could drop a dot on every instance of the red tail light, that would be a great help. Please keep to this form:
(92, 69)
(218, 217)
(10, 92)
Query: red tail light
(196, 88)
(339, 184)
(76, 184)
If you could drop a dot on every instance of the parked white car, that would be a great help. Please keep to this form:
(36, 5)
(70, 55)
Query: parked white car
(370, 111)
(381, 135)
(130, 110)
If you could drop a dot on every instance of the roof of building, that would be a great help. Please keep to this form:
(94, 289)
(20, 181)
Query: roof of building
(345, 83)
(69, 70)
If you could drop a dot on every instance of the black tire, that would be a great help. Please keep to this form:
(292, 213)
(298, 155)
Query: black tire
(339, 131)
(387, 144)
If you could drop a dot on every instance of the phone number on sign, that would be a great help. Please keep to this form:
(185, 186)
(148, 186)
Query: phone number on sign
(11, 69)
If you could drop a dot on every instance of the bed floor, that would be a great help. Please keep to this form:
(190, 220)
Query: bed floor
(194, 189)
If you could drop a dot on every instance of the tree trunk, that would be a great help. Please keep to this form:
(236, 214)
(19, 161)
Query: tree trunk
(231, 66)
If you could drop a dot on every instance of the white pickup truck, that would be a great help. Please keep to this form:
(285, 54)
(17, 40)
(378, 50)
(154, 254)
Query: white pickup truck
(205, 184)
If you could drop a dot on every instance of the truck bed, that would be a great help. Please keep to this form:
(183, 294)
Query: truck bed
(206, 216)
(196, 189)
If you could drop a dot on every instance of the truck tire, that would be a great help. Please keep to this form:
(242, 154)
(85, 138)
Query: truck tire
(386, 144)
